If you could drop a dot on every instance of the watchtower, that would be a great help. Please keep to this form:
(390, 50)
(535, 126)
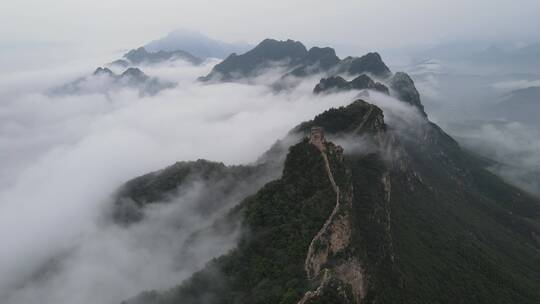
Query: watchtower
(316, 137)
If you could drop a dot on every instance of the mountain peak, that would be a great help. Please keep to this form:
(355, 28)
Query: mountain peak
(338, 83)
(135, 54)
(374, 223)
(318, 52)
(404, 86)
(141, 55)
(357, 117)
(273, 49)
(297, 61)
(325, 57)
(251, 63)
(133, 72)
(103, 71)
(371, 63)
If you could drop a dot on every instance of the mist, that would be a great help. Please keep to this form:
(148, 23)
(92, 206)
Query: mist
(466, 102)
(347, 25)
(513, 146)
(65, 156)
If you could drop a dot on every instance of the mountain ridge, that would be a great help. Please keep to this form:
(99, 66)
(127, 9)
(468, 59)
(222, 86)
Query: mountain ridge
(368, 239)
(142, 56)
(103, 80)
(294, 62)
(401, 214)
(296, 59)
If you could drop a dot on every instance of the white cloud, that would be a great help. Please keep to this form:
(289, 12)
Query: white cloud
(514, 146)
(66, 155)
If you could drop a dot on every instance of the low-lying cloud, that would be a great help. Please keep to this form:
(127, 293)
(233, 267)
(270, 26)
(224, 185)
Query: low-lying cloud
(514, 146)
(63, 156)
(463, 102)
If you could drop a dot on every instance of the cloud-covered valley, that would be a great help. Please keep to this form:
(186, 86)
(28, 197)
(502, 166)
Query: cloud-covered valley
(64, 156)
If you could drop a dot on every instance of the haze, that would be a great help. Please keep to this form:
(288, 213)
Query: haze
(64, 156)
(381, 24)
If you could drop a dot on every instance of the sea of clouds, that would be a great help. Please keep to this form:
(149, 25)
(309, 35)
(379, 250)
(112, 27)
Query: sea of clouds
(62, 157)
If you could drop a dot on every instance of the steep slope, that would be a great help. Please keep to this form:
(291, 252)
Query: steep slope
(416, 220)
(303, 230)
(457, 231)
(293, 63)
(317, 60)
(401, 215)
(282, 218)
(355, 250)
(403, 85)
(268, 53)
(370, 63)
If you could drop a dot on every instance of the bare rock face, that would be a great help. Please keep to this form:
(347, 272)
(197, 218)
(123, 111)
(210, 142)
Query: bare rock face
(317, 60)
(333, 262)
(371, 63)
(296, 62)
(403, 85)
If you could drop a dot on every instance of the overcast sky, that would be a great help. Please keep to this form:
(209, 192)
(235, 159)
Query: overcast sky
(378, 23)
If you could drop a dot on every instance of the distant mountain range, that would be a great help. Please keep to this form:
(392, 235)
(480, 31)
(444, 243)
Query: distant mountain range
(499, 56)
(413, 219)
(142, 56)
(522, 57)
(196, 44)
(338, 83)
(522, 105)
(295, 60)
(103, 81)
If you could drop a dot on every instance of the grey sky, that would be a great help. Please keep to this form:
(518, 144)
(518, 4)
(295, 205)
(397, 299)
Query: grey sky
(381, 24)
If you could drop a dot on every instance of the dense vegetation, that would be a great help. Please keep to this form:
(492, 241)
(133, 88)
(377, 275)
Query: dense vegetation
(461, 234)
(279, 222)
(429, 224)
(163, 186)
